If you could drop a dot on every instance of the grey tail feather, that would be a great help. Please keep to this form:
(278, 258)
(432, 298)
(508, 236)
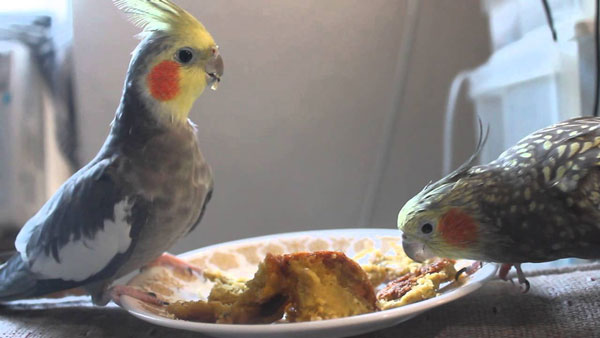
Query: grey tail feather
(16, 281)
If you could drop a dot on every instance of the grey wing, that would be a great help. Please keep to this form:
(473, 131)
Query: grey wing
(81, 229)
(206, 200)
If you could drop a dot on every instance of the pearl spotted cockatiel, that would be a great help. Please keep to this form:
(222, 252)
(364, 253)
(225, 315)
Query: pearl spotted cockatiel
(539, 201)
(149, 184)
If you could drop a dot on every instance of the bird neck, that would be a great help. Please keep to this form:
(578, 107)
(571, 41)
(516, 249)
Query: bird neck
(137, 112)
(133, 111)
(134, 126)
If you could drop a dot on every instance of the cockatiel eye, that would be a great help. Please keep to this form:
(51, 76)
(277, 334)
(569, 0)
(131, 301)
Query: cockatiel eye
(184, 55)
(426, 228)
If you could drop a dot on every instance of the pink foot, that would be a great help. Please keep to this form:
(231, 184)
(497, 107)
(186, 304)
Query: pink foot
(148, 297)
(503, 272)
(168, 260)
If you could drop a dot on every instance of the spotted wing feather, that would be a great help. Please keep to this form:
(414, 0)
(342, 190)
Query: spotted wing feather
(553, 196)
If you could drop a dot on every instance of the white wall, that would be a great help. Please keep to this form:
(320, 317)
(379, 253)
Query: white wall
(451, 36)
(295, 129)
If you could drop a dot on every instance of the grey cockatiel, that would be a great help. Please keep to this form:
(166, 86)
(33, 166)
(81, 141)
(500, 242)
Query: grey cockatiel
(149, 184)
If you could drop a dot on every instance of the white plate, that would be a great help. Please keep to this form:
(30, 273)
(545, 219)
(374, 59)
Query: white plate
(241, 258)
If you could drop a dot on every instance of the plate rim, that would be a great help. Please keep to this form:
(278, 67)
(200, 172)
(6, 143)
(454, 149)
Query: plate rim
(129, 303)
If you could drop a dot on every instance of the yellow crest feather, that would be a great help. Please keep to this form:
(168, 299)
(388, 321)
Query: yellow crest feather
(158, 15)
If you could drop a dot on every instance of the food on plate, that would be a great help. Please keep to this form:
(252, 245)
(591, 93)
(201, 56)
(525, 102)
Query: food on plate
(259, 300)
(416, 286)
(302, 286)
(308, 286)
(199, 311)
(384, 267)
(326, 285)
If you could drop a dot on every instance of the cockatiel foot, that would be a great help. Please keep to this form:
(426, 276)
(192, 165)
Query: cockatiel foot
(469, 270)
(147, 297)
(522, 280)
(503, 274)
(168, 260)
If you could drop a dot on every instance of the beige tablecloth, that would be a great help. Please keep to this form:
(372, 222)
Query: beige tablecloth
(561, 303)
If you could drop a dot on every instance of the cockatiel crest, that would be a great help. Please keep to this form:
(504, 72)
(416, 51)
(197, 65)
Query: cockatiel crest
(165, 16)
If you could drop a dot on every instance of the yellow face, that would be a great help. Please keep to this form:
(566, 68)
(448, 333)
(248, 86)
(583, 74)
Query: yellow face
(180, 73)
(432, 226)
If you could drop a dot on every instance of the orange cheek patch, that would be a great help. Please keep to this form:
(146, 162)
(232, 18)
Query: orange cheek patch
(163, 80)
(458, 228)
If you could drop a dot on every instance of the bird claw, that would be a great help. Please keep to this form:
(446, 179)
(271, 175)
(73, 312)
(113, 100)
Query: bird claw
(469, 270)
(527, 286)
(459, 272)
(522, 279)
(145, 296)
(523, 282)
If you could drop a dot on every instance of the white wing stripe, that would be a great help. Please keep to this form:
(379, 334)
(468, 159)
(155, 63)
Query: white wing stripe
(82, 258)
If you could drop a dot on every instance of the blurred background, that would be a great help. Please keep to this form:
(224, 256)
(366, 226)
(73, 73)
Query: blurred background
(331, 114)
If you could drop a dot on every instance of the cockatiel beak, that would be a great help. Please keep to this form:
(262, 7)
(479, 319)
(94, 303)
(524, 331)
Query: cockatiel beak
(416, 251)
(214, 70)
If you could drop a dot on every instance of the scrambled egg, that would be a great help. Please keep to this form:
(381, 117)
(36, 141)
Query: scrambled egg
(416, 286)
(383, 268)
(400, 280)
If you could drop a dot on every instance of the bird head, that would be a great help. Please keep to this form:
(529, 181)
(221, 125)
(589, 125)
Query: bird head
(435, 223)
(176, 60)
(441, 221)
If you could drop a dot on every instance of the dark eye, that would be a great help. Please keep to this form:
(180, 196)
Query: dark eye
(426, 228)
(185, 55)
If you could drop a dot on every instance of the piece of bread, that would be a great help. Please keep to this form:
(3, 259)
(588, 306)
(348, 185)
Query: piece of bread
(325, 285)
(305, 286)
(260, 300)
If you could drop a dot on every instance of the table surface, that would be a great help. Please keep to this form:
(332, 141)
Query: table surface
(561, 303)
